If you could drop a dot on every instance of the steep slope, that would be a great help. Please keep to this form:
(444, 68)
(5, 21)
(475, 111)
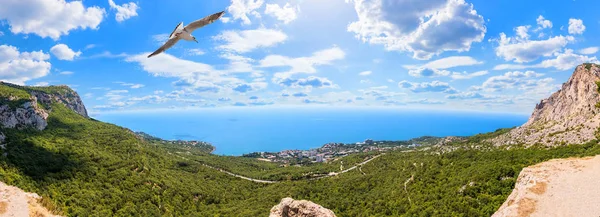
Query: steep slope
(569, 116)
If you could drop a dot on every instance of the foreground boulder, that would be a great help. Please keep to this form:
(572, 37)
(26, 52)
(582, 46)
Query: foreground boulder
(560, 187)
(299, 208)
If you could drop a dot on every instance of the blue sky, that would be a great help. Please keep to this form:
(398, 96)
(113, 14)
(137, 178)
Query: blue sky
(438, 54)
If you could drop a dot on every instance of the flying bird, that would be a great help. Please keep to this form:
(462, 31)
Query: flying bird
(185, 33)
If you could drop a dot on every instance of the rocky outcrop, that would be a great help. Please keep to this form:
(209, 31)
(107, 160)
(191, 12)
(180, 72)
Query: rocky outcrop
(16, 202)
(299, 208)
(561, 187)
(31, 109)
(569, 116)
(24, 116)
(69, 98)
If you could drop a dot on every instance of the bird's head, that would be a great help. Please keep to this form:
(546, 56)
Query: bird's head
(195, 39)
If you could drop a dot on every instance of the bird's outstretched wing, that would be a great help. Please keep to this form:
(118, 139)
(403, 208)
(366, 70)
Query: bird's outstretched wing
(203, 22)
(167, 45)
(174, 30)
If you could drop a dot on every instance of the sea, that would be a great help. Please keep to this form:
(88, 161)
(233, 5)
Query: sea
(238, 131)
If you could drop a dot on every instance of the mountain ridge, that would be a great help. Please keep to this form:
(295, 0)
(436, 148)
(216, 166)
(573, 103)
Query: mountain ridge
(570, 115)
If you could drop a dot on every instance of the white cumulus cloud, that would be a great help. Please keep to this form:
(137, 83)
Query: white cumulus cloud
(248, 40)
(434, 86)
(240, 9)
(302, 64)
(286, 14)
(523, 50)
(543, 22)
(49, 18)
(19, 67)
(589, 50)
(425, 28)
(63, 52)
(576, 26)
(124, 11)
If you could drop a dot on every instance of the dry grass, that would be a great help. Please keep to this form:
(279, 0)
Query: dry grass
(526, 207)
(3, 207)
(539, 188)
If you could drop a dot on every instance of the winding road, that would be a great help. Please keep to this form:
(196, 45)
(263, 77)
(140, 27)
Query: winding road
(271, 182)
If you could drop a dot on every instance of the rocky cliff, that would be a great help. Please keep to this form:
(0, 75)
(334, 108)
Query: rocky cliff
(299, 208)
(569, 116)
(28, 107)
(560, 187)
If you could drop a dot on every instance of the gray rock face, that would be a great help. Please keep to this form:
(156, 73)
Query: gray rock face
(569, 116)
(25, 116)
(29, 114)
(299, 208)
(71, 100)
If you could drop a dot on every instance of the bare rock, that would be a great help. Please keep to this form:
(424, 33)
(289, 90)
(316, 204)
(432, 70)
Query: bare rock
(559, 187)
(69, 98)
(25, 116)
(299, 208)
(568, 116)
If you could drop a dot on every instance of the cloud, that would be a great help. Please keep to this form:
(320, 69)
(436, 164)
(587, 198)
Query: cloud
(261, 103)
(425, 28)
(194, 52)
(311, 82)
(576, 26)
(124, 11)
(90, 46)
(224, 99)
(310, 101)
(299, 94)
(434, 86)
(567, 60)
(302, 64)
(522, 32)
(379, 87)
(589, 50)
(286, 14)
(466, 95)
(130, 85)
(1, 33)
(49, 18)
(240, 9)
(512, 80)
(521, 50)
(63, 52)
(426, 102)
(465, 75)
(249, 87)
(239, 104)
(562, 61)
(19, 67)
(66, 73)
(426, 72)
(543, 23)
(200, 76)
(253, 97)
(107, 54)
(238, 63)
(248, 40)
(448, 62)
(41, 84)
(115, 95)
(160, 39)
(365, 73)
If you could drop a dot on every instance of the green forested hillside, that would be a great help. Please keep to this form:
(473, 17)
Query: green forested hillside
(84, 167)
